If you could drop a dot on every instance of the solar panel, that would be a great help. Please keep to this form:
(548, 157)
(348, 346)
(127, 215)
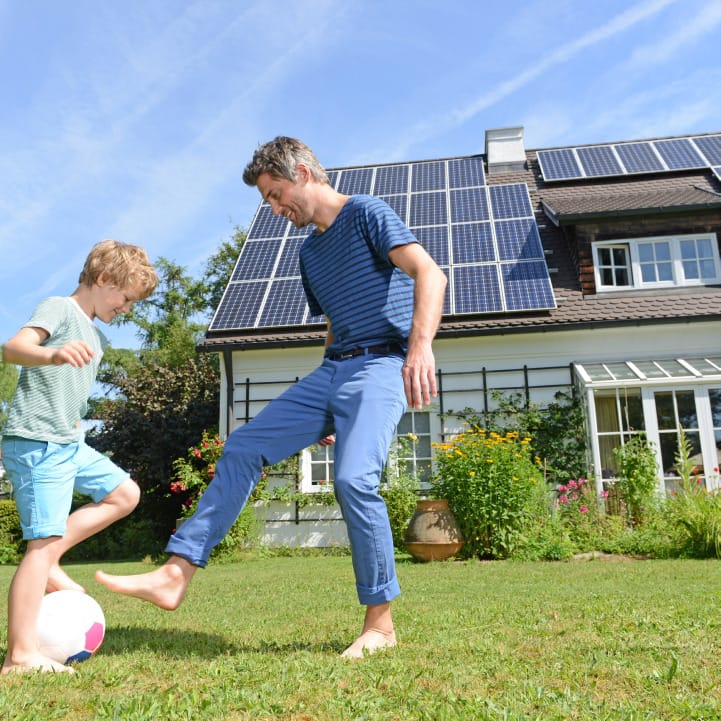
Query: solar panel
(477, 289)
(679, 154)
(285, 304)
(639, 158)
(484, 238)
(511, 201)
(355, 181)
(391, 179)
(599, 160)
(717, 171)
(428, 176)
(653, 156)
(428, 209)
(559, 164)
(710, 147)
(466, 172)
(469, 204)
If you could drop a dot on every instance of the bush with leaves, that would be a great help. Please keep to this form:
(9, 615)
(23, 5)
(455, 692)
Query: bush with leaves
(491, 483)
(637, 476)
(160, 412)
(12, 545)
(556, 430)
(399, 488)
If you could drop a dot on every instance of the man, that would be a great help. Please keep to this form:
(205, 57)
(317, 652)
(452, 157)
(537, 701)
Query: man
(382, 295)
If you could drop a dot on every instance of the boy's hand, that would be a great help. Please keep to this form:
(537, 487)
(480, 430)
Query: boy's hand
(76, 352)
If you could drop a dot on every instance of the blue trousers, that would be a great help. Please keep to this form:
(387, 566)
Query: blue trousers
(361, 400)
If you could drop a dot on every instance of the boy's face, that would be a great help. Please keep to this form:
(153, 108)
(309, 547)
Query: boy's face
(111, 300)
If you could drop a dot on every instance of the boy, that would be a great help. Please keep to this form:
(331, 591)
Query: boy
(44, 452)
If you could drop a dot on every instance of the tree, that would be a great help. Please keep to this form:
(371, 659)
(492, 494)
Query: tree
(219, 268)
(160, 411)
(170, 322)
(8, 382)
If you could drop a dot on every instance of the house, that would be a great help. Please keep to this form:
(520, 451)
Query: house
(589, 269)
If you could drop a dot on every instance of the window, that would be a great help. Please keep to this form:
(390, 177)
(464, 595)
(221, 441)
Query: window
(619, 415)
(417, 454)
(665, 261)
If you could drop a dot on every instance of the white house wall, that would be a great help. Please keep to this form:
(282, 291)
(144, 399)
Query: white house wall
(548, 354)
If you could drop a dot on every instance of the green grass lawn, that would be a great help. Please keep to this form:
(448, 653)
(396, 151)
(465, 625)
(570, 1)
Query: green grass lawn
(634, 640)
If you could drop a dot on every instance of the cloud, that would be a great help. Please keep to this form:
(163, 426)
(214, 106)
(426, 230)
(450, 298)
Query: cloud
(440, 124)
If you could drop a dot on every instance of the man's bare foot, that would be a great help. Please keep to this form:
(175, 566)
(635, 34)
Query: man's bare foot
(36, 663)
(58, 580)
(369, 642)
(165, 586)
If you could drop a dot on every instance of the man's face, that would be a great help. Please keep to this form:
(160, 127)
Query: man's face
(286, 198)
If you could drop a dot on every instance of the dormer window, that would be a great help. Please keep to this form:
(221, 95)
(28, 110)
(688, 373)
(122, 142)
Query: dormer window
(659, 262)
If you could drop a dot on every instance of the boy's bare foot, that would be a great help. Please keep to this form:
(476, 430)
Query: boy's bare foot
(58, 580)
(35, 663)
(165, 586)
(369, 642)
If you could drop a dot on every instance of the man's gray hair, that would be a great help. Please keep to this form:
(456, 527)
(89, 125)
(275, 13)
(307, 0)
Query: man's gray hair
(279, 157)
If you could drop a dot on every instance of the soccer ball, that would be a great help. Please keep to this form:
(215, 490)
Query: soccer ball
(71, 626)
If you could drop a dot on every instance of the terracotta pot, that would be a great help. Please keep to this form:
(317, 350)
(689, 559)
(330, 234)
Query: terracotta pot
(433, 534)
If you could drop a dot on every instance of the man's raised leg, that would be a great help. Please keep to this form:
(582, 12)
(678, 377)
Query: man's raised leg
(165, 586)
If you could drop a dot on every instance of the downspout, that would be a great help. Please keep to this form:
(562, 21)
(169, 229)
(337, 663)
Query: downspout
(229, 391)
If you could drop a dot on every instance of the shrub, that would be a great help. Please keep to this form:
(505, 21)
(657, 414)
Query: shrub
(491, 484)
(693, 512)
(399, 490)
(637, 476)
(11, 535)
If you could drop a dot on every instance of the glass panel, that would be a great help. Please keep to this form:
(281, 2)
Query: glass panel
(686, 410)
(604, 256)
(607, 276)
(665, 271)
(632, 411)
(619, 256)
(648, 273)
(704, 248)
(406, 425)
(621, 371)
(674, 368)
(665, 411)
(596, 372)
(650, 369)
(663, 251)
(606, 444)
(606, 414)
(423, 447)
(645, 253)
(622, 277)
(714, 396)
(690, 270)
(688, 250)
(707, 269)
(669, 444)
(422, 422)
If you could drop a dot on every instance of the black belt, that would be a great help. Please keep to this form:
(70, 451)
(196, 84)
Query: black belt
(388, 349)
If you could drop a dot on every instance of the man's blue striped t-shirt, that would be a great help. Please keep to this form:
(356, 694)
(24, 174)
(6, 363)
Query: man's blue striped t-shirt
(348, 277)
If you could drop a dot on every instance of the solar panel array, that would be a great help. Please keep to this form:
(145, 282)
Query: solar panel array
(653, 156)
(485, 239)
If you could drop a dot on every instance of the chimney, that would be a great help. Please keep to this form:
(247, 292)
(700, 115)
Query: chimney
(504, 150)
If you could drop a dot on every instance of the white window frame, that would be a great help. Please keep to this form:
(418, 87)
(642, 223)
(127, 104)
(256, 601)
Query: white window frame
(632, 248)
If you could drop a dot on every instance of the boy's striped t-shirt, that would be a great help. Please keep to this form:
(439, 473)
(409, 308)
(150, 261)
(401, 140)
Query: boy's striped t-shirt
(348, 276)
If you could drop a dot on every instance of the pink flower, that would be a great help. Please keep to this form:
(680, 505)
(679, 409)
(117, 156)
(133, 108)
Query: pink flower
(563, 499)
(572, 484)
(604, 494)
(583, 509)
(562, 489)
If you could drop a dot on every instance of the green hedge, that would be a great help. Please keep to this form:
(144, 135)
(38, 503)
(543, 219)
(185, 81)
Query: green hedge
(12, 545)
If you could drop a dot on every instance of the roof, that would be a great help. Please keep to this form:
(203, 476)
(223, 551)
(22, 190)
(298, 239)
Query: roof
(558, 206)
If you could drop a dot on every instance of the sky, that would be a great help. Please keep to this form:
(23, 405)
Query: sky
(134, 119)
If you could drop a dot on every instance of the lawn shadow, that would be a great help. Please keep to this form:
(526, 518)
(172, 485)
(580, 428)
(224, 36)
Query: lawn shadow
(121, 640)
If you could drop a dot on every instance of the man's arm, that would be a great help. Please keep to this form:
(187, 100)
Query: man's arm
(419, 370)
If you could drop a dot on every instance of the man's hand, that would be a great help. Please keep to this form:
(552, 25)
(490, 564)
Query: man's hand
(419, 376)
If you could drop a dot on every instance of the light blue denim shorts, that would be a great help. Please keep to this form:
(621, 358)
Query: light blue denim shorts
(44, 476)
